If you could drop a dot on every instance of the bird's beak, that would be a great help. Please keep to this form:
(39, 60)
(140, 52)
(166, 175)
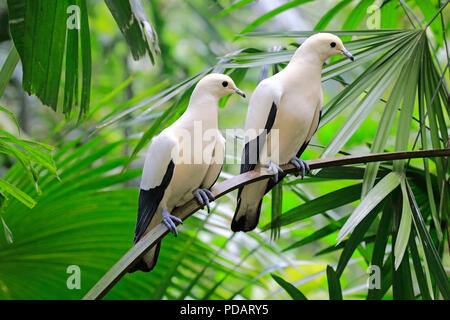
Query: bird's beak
(239, 92)
(347, 53)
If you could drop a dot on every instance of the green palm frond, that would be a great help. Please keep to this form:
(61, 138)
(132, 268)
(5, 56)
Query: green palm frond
(86, 219)
(63, 29)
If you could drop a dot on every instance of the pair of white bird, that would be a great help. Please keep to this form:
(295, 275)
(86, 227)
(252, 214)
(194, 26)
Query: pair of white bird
(289, 101)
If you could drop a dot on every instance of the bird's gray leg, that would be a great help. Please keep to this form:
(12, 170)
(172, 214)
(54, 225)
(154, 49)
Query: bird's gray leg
(275, 169)
(168, 221)
(300, 165)
(203, 196)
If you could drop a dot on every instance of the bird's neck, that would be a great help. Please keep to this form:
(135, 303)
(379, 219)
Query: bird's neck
(307, 56)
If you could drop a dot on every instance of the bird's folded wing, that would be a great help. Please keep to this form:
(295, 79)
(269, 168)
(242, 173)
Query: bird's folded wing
(261, 115)
(261, 102)
(216, 164)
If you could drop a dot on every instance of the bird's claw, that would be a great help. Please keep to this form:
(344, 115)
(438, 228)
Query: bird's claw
(204, 196)
(275, 169)
(169, 220)
(300, 165)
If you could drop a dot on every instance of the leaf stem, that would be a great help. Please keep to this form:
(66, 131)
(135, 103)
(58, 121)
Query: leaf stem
(428, 110)
(8, 67)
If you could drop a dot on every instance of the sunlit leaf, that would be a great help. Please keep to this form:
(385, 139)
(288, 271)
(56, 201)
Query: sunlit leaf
(404, 229)
(375, 196)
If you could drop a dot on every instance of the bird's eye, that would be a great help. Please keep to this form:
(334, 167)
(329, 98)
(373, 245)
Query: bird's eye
(225, 83)
(333, 44)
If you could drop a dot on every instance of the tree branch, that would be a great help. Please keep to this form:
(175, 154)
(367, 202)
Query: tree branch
(117, 271)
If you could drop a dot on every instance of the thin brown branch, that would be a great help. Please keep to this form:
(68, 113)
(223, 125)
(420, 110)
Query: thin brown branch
(154, 236)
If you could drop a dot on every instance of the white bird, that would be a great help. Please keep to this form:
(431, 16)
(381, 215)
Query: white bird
(290, 102)
(179, 167)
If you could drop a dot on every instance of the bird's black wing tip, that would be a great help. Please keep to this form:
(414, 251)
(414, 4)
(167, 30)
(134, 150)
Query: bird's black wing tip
(238, 225)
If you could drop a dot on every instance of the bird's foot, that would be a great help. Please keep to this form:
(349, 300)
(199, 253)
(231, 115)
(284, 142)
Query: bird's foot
(275, 169)
(169, 220)
(300, 165)
(203, 196)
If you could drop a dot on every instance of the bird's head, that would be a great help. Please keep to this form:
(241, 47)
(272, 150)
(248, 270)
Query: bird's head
(219, 85)
(327, 45)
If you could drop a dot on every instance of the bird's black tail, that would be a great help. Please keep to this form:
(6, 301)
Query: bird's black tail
(248, 207)
(148, 262)
(149, 201)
